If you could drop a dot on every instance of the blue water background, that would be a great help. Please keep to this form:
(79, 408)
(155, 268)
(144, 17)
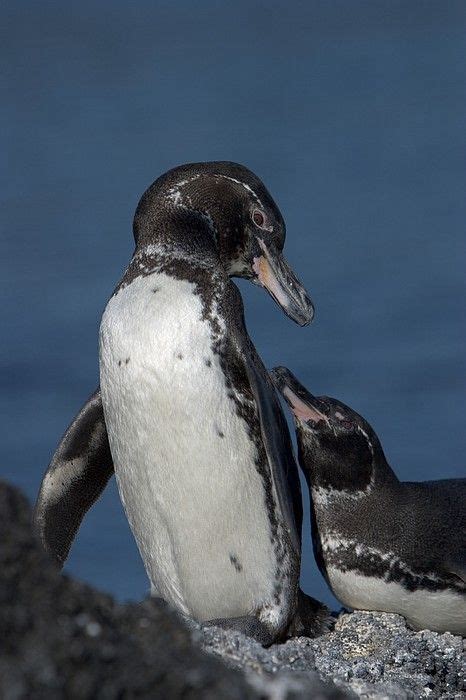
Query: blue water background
(354, 115)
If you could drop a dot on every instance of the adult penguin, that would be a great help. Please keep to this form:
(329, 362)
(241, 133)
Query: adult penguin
(187, 416)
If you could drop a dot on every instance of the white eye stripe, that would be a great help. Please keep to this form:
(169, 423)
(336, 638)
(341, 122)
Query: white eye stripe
(187, 180)
(243, 184)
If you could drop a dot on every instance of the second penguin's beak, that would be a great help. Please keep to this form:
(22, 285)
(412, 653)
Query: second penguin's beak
(304, 406)
(273, 272)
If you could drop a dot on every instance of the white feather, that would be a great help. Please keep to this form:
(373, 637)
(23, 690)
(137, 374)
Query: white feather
(442, 610)
(193, 498)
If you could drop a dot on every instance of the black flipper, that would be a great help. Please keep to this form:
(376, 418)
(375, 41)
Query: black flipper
(278, 445)
(242, 359)
(75, 478)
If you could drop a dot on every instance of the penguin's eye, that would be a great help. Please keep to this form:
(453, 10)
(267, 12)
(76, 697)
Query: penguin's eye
(258, 217)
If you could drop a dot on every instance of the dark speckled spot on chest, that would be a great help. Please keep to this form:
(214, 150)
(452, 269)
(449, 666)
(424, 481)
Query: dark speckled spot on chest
(236, 563)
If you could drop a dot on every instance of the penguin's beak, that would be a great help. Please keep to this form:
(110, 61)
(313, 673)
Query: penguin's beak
(273, 272)
(304, 406)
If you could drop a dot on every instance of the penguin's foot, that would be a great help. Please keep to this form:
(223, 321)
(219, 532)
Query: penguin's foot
(311, 618)
(248, 625)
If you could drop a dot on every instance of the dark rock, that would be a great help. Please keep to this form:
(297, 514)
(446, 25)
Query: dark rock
(62, 639)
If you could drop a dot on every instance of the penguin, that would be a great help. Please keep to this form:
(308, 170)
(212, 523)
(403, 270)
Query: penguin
(187, 417)
(381, 544)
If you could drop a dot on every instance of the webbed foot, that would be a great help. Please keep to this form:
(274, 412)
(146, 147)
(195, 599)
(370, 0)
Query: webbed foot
(248, 625)
(311, 619)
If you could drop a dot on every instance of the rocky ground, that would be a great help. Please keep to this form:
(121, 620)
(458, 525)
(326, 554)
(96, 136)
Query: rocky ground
(62, 639)
(372, 655)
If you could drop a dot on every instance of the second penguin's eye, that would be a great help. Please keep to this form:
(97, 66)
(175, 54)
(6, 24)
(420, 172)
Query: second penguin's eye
(258, 217)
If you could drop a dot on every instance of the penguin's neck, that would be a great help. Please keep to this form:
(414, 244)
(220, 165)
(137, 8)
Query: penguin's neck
(181, 228)
(383, 474)
(331, 474)
(201, 267)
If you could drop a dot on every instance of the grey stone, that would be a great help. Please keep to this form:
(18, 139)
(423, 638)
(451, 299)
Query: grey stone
(373, 655)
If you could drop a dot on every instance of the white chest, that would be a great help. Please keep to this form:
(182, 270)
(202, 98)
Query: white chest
(183, 459)
(440, 611)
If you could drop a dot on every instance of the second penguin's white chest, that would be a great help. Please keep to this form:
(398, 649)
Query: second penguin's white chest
(184, 462)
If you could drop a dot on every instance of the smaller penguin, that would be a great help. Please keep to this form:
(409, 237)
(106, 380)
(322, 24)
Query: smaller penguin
(380, 543)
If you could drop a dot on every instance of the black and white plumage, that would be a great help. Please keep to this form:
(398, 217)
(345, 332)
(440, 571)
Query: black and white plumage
(381, 544)
(78, 473)
(198, 441)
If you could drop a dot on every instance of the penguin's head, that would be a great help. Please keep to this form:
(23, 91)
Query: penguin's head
(338, 449)
(222, 212)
